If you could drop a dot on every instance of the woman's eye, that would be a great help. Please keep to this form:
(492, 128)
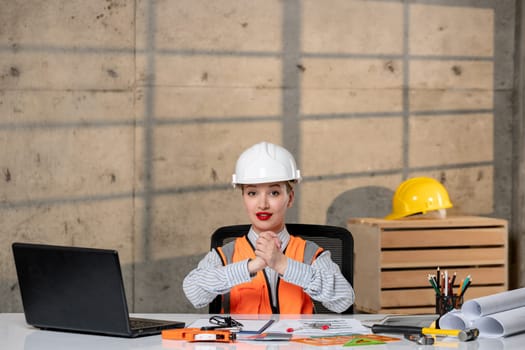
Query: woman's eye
(275, 193)
(251, 193)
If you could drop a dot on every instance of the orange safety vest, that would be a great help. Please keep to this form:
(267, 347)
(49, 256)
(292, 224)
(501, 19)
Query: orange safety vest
(254, 297)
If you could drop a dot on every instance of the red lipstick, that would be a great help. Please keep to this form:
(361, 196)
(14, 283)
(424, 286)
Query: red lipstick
(263, 216)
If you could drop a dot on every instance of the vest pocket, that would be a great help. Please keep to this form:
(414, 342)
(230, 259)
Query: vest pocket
(248, 300)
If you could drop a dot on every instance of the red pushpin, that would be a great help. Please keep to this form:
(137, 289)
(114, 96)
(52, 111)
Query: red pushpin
(291, 330)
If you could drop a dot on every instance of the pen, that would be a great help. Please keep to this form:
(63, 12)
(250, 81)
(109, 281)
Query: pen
(322, 326)
(291, 330)
(221, 328)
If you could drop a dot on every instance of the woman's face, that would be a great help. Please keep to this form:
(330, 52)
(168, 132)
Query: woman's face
(266, 205)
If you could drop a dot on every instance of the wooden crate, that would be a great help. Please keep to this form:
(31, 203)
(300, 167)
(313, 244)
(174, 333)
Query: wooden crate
(394, 257)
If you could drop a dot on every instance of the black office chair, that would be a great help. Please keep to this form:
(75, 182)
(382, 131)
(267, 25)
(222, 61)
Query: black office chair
(338, 240)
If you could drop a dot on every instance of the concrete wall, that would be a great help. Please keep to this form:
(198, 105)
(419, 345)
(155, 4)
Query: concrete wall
(518, 206)
(121, 120)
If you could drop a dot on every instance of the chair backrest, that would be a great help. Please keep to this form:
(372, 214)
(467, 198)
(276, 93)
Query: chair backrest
(338, 240)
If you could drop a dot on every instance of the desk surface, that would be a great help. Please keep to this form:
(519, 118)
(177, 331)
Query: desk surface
(15, 334)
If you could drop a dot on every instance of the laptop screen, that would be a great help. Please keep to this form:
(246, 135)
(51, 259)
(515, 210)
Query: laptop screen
(71, 288)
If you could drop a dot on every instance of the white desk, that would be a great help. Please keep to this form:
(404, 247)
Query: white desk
(15, 334)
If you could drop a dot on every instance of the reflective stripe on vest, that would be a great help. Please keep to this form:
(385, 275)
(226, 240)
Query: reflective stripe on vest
(254, 297)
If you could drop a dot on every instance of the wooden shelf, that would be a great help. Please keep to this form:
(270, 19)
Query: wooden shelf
(394, 257)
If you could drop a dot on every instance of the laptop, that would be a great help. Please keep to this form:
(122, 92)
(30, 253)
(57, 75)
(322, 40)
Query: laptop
(77, 290)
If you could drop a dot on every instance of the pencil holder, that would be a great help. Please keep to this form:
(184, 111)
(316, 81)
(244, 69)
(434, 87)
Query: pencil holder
(446, 303)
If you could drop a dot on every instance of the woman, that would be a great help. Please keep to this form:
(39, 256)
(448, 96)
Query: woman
(268, 270)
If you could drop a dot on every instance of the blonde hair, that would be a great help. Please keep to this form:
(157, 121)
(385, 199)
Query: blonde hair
(289, 186)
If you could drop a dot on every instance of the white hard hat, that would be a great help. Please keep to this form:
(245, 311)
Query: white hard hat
(263, 163)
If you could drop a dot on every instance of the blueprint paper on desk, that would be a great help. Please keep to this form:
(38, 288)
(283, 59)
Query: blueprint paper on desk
(319, 327)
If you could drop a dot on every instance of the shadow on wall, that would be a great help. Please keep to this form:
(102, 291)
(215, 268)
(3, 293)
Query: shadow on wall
(369, 201)
(158, 286)
(158, 283)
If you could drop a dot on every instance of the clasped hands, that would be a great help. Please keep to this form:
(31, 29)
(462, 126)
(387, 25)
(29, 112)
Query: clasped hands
(268, 253)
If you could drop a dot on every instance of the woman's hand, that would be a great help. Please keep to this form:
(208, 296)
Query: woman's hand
(268, 248)
(256, 265)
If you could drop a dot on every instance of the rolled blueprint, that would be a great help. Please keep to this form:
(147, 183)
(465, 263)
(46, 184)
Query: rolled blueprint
(501, 324)
(497, 315)
(494, 303)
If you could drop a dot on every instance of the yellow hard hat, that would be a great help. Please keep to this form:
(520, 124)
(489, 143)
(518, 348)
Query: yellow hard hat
(418, 195)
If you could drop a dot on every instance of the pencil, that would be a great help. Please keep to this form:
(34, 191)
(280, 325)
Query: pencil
(452, 284)
(438, 274)
(435, 281)
(465, 289)
(432, 283)
(460, 287)
(446, 283)
(465, 282)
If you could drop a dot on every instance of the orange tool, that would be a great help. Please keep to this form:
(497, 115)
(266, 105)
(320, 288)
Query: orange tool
(196, 334)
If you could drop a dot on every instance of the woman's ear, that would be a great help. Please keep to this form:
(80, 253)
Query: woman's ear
(291, 198)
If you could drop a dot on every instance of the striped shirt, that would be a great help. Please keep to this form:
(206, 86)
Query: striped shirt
(322, 280)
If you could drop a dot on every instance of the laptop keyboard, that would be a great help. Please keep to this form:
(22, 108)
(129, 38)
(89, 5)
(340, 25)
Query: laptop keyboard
(137, 323)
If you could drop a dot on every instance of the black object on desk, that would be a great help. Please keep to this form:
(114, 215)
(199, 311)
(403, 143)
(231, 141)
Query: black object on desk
(462, 335)
(78, 290)
(223, 322)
